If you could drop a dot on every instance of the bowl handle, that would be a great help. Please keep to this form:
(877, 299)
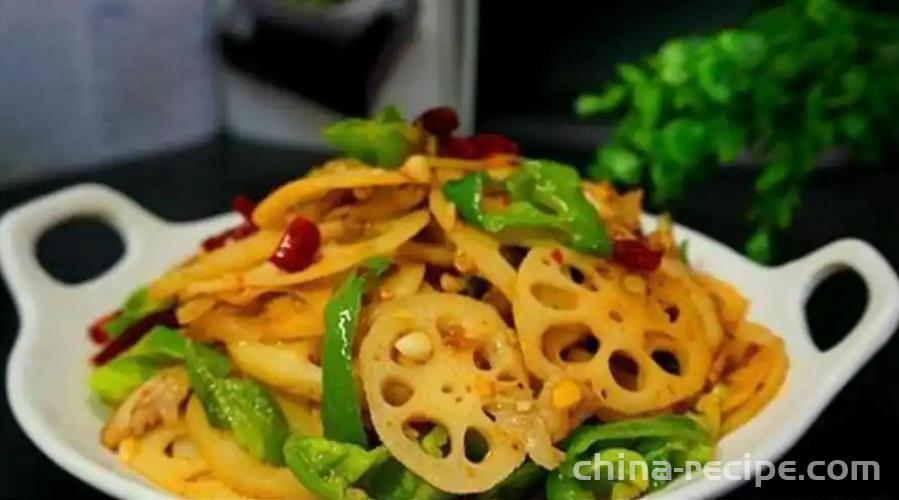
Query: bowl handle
(881, 315)
(21, 228)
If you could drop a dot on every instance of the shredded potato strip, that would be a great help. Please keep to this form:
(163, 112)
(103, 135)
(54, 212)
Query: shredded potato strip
(336, 258)
(236, 256)
(478, 246)
(235, 466)
(271, 211)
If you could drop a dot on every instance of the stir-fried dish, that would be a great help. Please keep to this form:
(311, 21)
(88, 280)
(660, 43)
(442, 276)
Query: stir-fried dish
(429, 316)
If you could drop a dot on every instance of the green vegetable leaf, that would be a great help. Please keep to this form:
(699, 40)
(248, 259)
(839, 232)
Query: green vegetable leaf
(684, 141)
(384, 140)
(329, 469)
(620, 164)
(591, 104)
(760, 247)
(241, 405)
(673, 59)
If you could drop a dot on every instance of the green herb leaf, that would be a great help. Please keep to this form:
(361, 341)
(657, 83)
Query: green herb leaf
(591, 104)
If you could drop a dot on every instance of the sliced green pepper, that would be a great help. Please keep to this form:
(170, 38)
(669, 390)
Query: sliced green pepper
(597, 437)
(544, 195)
(329, 469)
(392, 481)
(341, 411)
(385, 140)
(519, 485)
(241, 405)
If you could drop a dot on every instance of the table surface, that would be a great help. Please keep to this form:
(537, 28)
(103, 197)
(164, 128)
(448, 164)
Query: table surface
(860, 424)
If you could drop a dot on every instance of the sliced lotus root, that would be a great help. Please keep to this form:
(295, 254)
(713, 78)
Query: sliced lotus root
(291, 366)
(459, 362)
(637, 342)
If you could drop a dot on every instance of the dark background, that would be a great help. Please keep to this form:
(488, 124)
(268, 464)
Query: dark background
(535, 58)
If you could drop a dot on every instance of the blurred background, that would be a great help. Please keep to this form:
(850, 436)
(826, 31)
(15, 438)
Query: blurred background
(767, 124)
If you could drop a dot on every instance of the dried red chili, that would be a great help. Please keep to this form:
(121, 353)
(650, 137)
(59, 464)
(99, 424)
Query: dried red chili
(557, 256)
(134, 333)
(635, 255)
(244, 206)
(97, 330)
(440, 121)
(298, 246)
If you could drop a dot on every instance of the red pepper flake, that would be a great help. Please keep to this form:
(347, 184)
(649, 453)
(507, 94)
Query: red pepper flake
(244, 206)
(97, 330)
(557, 256)
(441, 121)
(636, 256)
(673, 313)
(477, 146)
(134, 333)
(298, 246)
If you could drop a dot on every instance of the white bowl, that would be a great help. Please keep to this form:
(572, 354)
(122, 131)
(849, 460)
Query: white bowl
(48, 368)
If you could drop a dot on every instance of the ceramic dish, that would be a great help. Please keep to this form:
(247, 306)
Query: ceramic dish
(48, 368)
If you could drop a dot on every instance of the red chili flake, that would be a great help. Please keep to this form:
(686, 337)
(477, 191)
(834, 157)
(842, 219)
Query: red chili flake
(493, 144)
(635, 255)
(673, 313)
(456, 147)
(244, 206)
(97, 330)
(298, 246)
(134, 333)
(557, 256)
(504, 199)
(441, 121)
(477, 146)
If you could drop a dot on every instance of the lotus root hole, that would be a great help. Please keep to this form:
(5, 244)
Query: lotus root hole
(396, 393)
(481, 360)
(476, 445)
(625, 370)
(554, 297)
(667, 361)
(573, 343)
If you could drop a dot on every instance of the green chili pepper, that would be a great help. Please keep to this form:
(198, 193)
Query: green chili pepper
(341, 412)
(520, 484)
(136, 306)
(385, 140)
(329, 469)
(241, 405)
(544, 195)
